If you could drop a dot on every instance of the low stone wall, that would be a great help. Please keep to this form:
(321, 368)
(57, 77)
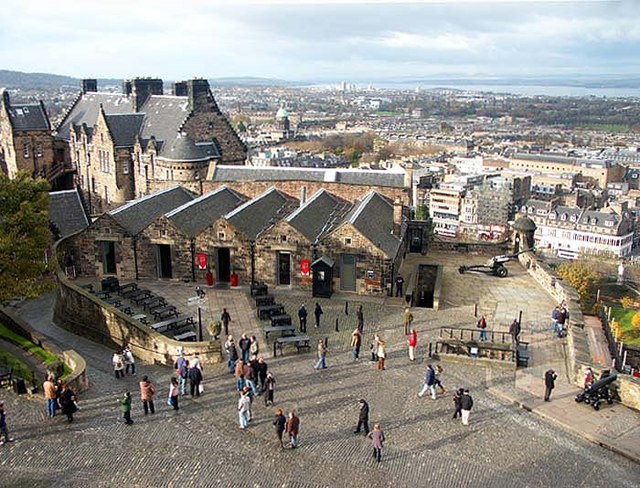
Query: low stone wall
(77, 379)
(81, 312)
(578, 352)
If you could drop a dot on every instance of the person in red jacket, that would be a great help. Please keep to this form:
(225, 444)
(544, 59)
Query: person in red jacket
(412, 342)
(292, 428)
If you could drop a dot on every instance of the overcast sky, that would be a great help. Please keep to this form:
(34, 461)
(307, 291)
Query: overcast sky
(321, 40)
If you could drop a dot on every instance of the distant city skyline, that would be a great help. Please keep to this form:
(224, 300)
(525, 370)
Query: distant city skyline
(324, 41)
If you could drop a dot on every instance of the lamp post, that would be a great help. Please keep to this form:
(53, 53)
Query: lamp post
(253, 262)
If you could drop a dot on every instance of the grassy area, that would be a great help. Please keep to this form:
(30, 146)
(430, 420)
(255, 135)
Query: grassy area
(19, 368)
(20, 341)
(630, 335)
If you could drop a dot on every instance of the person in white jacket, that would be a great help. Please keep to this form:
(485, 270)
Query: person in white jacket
(118, 365)
(244, 404)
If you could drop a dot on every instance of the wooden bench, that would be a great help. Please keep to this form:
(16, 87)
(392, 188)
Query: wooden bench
(266, 311)
(282, 319)
(88, 287)
(141, 317)
(126, 288)
(265, 300)
(153, 300)
(301, 342)
(6, 374)
(186, 336)
(522, 355)
(258, 289)
(284, 329)
(164, 312)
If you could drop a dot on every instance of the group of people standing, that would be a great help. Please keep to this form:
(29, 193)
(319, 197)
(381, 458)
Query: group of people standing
(123, 363)
(560, 319)
(59, 397)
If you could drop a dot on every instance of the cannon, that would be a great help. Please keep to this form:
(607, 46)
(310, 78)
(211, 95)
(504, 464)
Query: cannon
(495, 266)
(598, 392)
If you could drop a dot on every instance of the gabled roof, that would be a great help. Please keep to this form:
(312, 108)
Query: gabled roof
(195, 216)
(274, 173)
(259, 214)
(124, 128)
(319, 215)
(87, 108)
(136, 215)
(25, 117)
(66, 212)
(600, 218)
(373, 218)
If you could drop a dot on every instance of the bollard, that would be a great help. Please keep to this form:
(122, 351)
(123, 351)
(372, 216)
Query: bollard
(475, 310)
(520, 317)
(337, 330)
(199, 324)
(346, 308)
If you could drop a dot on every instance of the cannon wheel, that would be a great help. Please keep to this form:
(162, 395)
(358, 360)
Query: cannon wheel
(596, 405)
(610, 401)
(502, 272)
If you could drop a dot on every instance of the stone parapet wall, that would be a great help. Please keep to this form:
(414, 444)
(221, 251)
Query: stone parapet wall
(578, 351)
(81, 312)
(77, 379)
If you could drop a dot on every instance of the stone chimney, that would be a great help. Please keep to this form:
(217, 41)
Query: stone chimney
(397, 216)
(200, 97)
(142, 88)
(179, 89)
(408, 176)
(89, 85)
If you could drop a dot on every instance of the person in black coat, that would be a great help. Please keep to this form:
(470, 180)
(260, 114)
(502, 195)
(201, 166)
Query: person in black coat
(317, 312)
(68, 402)
(302, 315)
(363, 417)
(549, 383)
(514, 330)
(279, 423)
(195, 377)
(457, 397)
(262, 373)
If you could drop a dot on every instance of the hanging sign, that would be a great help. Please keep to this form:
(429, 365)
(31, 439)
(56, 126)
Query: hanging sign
(201, 259)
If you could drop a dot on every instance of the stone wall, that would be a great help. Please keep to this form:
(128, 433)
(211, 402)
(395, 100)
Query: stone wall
(82, 313)
(206, 126)
(579, 354)
(77, 379)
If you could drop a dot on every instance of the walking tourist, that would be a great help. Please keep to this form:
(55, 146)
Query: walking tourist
(360, 318)
(245, 346)
(363, 417)
(412, 341)
(279, 424)
(302, 315)
(232, 353)
(482, 325)
(318, 312)
(118, 364)
(399, 284)
(174, 393)
(244, 404)
(377, 441)
(129, 361)
(322, 355)
(457, 397)
(407, 319)
(270, 386)
(292, 429)
(125, 408)
(51, 395)
(147, 394)
(4, 431)
(466, 403)
(68, 402)
(549, 383)
(356, 341)
(382, 353)
(429, 382)
(225, 318)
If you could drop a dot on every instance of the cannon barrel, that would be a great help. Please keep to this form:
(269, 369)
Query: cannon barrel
(601, 383)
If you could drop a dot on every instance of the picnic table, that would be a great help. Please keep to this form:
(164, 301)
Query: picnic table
(284, 329)
(128, 287)
(153, 300)
(186, 336)
(301, 342)
(164, 312)
(266, 311)
(281, 319)
(172, 323)
(140, 296)
(258, 289)
(141, 317)
(265, 300)
(115, 301)
(103, 294)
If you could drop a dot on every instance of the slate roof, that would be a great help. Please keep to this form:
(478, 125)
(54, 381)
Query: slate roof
(136, 215)
(87, 108)
(124, 128)
(257, 215)
(599, 217)
(25, 117)
(319, 215)
(195, 216)
(66, 212)
(373, 218)
(273, 173)
(161, 117)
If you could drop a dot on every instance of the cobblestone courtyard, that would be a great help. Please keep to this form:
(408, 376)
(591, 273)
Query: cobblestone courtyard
(203, 446)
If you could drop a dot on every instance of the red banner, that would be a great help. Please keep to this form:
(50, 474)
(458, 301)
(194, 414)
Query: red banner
(201, 259)
(305, 267)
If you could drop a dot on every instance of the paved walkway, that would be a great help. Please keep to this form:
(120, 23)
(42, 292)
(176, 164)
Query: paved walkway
(202, 446)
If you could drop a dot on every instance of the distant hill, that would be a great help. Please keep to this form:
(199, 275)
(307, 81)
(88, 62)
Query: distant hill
(252, 81)
(18, 80)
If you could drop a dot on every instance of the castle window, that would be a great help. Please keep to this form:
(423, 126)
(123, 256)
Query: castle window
(26, 150)
(221, 236)
(283, 238)
(39, 150)
(608, 223)
(125, 168)
(347, 241)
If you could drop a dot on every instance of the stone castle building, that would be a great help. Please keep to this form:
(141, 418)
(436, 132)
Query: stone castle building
(123, 144)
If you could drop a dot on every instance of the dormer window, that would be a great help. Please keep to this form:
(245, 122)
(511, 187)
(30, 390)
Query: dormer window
(221, 236)
(283, 238)
(552, 216)
(573, 218)
(609, 223)
(593, 221)
(563, 217)
(347, 241)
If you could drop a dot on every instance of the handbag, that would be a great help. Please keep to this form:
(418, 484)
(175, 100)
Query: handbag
(201, 388)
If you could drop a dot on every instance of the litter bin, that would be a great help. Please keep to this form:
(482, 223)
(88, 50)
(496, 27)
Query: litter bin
(234, 279)
(18, 386)
(209, 278)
